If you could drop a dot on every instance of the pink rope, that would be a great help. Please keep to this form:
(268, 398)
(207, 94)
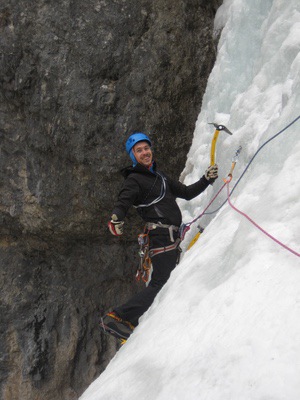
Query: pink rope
(257, 226)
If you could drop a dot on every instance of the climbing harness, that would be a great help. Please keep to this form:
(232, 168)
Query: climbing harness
(159, 250)
(172, 228)
(145, 265)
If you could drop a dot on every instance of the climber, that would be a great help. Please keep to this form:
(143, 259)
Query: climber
(154, 195)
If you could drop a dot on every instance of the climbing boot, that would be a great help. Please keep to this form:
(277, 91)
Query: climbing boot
(114, 325)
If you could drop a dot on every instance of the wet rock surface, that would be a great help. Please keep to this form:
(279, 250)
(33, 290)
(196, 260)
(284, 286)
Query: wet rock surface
(76, 78)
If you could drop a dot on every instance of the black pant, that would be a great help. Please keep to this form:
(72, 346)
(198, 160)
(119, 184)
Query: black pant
(163, 264)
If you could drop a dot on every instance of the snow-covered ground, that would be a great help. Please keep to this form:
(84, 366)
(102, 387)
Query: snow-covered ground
(227, 324)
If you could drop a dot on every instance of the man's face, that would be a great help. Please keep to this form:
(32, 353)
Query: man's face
(143, 154)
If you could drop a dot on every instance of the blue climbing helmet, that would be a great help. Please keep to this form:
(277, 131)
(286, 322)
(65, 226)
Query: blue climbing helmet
(133, 140)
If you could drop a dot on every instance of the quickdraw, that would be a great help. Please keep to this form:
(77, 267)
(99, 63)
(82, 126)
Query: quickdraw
(234, 161)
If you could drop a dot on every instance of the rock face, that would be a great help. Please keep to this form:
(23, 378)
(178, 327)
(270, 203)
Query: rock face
(76, 78)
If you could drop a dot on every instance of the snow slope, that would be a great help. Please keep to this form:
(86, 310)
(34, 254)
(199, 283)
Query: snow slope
(227, 324)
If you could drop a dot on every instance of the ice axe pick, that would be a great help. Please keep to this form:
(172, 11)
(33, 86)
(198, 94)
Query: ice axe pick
(214, 140)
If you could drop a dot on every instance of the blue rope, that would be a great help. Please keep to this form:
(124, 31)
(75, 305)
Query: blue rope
(248, 165)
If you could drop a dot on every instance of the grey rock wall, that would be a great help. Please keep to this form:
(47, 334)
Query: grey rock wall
(76, 78)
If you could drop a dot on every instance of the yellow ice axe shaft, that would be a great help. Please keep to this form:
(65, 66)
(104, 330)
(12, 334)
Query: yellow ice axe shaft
(213, 147)
(214, 141)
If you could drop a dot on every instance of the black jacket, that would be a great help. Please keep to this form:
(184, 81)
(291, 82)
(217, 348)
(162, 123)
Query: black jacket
(142, 187)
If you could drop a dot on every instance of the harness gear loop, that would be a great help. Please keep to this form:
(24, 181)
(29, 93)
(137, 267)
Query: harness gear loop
(144, 267)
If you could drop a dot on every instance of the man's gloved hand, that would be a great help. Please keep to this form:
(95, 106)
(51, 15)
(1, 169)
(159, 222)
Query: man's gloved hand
(115, 226)
(211, 173)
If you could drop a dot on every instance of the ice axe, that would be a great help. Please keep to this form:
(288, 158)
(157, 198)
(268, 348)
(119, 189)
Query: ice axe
(214, 140)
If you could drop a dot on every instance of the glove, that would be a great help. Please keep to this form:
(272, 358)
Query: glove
(211, 173)
(115, 226)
